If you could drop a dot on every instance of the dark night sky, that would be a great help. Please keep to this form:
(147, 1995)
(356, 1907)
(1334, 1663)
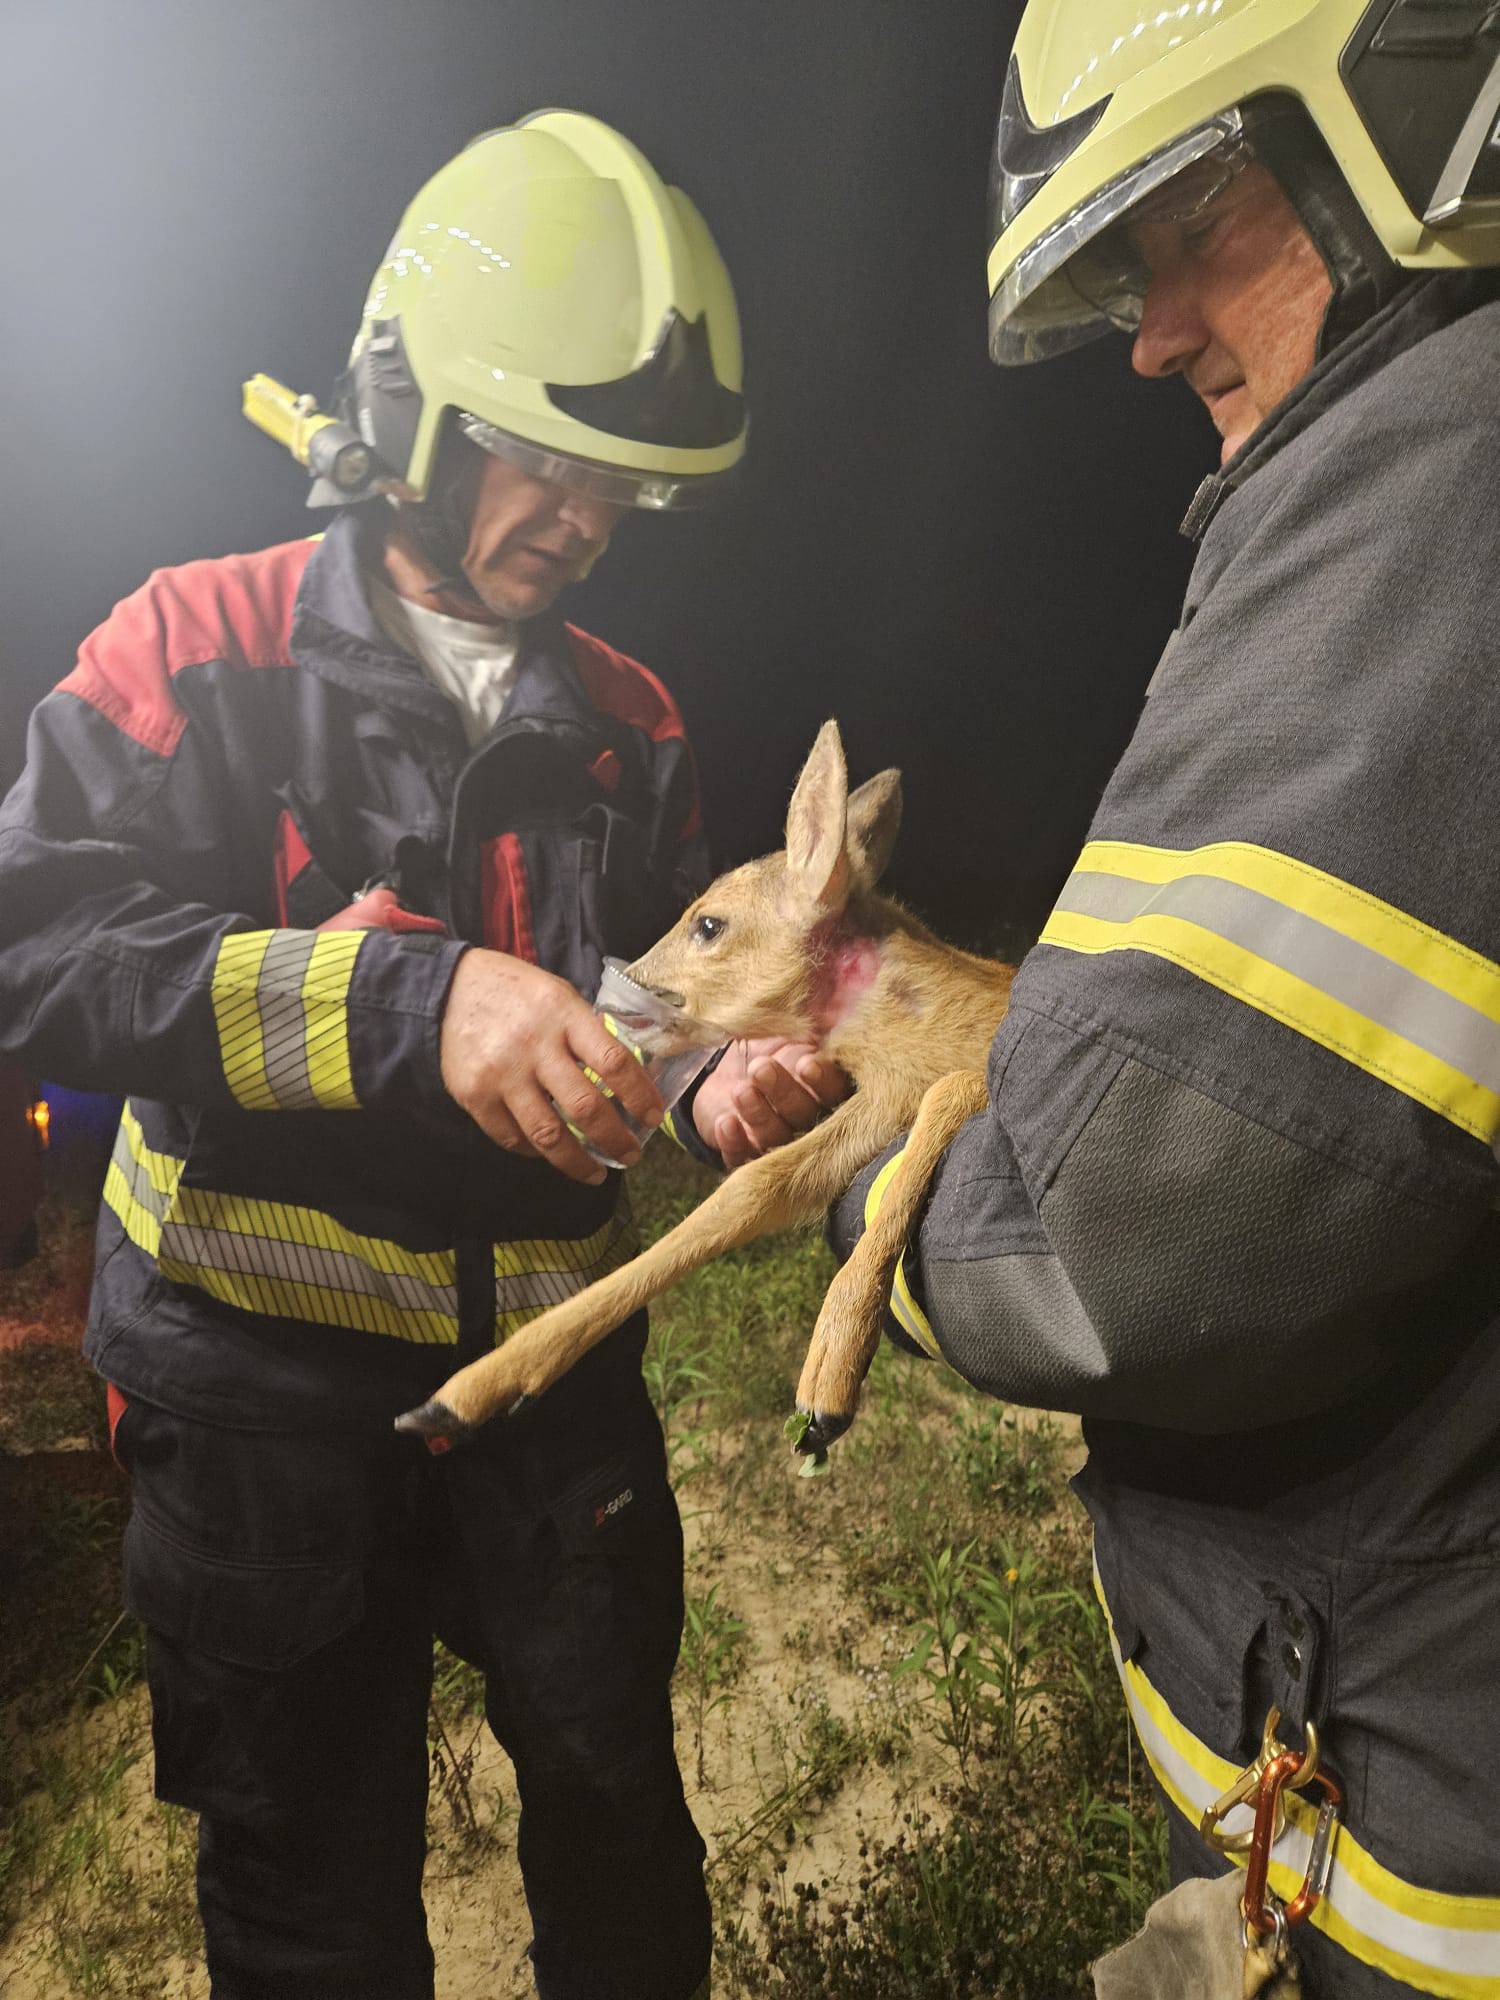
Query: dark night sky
(974, 570)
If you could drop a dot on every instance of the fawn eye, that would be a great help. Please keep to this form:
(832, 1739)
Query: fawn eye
(703, 930)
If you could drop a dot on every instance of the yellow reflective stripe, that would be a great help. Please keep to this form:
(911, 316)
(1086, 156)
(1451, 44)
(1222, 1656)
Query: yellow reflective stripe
(161, 1170)
(280, 1006)
(1440, 960)
(1439, 1943)
(910, 1316)
(1419, 980)
(325, 991)
(907, 1314)
(237, 1016)
(537, 1273)
(295, 1262)
(138, 1183)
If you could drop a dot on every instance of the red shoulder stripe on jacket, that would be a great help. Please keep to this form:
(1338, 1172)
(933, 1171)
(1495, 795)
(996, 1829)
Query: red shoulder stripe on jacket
(232, 608)
(632, 694)
(623, 688)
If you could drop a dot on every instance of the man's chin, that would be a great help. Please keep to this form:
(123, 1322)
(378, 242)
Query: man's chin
(516, 601)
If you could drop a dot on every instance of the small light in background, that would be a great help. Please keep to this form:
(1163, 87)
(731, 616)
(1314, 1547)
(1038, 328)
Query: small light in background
(39, 1118)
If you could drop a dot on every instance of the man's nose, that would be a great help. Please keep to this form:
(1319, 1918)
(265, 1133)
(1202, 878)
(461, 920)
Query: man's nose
(1172, 329)
(589, 517)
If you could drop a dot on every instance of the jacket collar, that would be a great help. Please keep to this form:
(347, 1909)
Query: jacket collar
(336, 634)
(1419, 309)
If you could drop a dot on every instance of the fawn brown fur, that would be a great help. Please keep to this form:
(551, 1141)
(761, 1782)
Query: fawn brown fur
(796, 944)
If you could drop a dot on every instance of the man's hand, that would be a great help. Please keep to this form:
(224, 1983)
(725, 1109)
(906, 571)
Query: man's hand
(762, 1094)
(514, 1036)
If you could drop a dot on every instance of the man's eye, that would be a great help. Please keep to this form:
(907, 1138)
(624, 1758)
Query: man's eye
(705, 929)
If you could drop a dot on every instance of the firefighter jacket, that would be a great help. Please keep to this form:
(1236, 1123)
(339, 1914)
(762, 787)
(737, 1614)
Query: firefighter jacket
(297, 1217)
(1234, 1196)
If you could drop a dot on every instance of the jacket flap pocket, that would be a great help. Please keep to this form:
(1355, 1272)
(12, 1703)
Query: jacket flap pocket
(251, 1614)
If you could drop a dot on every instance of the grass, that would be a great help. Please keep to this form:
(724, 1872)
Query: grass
(898, 1718)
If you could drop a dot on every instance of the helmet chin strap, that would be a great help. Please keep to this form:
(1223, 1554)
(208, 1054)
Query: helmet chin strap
(440, 527)
(1363, 275)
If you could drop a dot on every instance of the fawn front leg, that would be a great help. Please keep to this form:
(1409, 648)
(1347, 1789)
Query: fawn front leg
(849, 1326)
(792, 1185)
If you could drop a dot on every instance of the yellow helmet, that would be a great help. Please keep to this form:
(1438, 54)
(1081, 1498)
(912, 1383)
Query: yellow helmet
(1106, 101)
(570, 309)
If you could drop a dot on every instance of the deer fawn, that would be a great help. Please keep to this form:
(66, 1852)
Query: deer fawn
(797, 944)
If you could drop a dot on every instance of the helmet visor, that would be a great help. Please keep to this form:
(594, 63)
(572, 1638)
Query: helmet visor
(1082, 276)
(660, 492)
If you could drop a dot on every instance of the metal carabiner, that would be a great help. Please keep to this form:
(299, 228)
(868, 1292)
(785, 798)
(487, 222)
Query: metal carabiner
(1259, 1907)
(1320, 1854)
(1247, 1787)
(1263, 1837)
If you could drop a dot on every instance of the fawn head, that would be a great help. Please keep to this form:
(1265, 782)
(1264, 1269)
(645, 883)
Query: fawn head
(759, 951)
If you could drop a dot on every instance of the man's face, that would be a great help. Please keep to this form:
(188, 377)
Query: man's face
(1235, 302)
(529, 538)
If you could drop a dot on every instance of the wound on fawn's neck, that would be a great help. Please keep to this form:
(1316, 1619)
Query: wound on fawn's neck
(845, 966)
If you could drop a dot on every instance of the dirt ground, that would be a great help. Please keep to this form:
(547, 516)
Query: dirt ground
(756, 1749)
(812, 1745)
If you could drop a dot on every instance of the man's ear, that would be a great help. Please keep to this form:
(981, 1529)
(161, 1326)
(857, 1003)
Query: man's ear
(816, 861)
(873, 820)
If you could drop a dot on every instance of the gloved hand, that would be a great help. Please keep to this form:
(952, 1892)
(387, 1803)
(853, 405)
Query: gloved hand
(380, 909)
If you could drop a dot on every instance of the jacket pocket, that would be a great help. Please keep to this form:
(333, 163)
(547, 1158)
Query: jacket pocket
(590, 894)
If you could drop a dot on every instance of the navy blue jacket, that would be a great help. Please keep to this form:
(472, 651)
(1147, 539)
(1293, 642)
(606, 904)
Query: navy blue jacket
(297, 1218)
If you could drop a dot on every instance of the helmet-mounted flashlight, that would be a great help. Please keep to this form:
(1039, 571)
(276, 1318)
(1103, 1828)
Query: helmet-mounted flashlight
(337, 456)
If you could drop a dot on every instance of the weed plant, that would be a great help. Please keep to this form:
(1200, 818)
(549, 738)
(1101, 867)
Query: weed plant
(711, 1660)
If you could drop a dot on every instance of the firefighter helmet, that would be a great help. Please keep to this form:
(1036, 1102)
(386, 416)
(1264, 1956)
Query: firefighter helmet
(1107, 101)
(569, 309)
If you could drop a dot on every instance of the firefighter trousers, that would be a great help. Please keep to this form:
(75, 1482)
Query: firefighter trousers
(290, 1586)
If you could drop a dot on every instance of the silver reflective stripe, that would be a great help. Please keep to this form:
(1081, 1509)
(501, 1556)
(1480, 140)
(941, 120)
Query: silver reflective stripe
(1397, 999)
(283, 1016)
(229, 1251)
(539, 1289)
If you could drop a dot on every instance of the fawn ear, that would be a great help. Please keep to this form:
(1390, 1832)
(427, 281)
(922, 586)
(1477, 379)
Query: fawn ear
(816, 859)
(874, 820)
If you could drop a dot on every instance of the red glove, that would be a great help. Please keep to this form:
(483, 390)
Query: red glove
(380, 909)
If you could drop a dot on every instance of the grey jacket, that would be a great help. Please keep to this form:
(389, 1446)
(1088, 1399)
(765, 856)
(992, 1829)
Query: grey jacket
(1182, 1209)
(1234, 1196)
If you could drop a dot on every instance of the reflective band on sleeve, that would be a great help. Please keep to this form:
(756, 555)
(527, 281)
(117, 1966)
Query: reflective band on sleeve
(300, 1263)
(907, 1314)
(280, 1007)
(1441, 1944)
(1358, 976)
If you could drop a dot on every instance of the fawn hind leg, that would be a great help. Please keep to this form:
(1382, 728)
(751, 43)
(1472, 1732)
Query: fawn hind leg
(849, 1325)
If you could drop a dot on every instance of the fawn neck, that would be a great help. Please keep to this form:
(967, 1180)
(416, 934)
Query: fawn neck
(883, 989)
(846, 964)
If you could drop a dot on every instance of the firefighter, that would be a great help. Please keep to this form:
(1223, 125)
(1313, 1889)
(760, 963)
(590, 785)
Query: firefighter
(314, 854)
(1234, 1196)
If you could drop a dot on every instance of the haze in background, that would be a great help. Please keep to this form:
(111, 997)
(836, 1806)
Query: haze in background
(974, 570)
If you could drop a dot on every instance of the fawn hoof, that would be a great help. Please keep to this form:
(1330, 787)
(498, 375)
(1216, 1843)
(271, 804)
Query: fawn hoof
(439, 1427)
(824, 1429)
